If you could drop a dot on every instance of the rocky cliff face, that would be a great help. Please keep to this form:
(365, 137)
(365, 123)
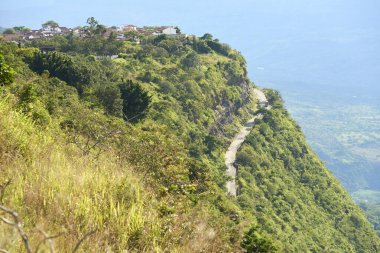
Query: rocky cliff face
(230, 109)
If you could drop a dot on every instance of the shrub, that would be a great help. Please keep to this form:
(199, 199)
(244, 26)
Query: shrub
(7, 74)
(135, 101)
(253, 242)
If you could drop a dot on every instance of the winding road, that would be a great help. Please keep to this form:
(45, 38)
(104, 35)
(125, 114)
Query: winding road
(237, 141)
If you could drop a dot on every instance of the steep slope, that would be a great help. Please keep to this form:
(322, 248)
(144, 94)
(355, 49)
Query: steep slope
(295, 199)
(237, 141)
(128, 153)
(121, 147)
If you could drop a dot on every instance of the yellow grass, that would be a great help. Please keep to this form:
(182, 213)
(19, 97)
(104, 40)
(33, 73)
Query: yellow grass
(57, 189)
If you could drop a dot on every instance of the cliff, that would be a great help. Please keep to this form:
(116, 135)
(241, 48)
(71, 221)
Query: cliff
(128, 154)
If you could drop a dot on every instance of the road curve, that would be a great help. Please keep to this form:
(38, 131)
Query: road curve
(236, 143)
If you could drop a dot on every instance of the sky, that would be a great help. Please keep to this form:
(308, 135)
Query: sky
(286, 42)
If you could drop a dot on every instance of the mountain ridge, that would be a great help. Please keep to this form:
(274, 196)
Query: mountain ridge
(131, 152)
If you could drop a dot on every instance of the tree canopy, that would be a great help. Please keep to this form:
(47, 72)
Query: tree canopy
(9, 31)
(7, 74)
(50, 23)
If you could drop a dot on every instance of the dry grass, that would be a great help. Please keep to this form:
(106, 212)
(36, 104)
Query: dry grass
(57, 189)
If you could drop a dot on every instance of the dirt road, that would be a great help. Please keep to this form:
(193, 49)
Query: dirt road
(236, 143)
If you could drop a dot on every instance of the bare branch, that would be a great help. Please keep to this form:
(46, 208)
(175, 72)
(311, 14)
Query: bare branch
(2, 189)
(4, 251)
(17, 225)
(6, 221)
(82, 239)
(46, 238)
(101, 139)
(135, 116)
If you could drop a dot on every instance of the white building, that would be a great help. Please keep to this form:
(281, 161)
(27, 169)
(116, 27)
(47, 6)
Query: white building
(120, 36)
(169, 31)
(127, 28)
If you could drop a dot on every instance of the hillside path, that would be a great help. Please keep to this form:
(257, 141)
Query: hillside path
(237, 141)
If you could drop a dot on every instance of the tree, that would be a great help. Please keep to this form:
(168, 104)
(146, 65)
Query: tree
(100, 30)
(171, 45)
(7, 74)
(132, 36)
(222, 49)
(94, 28)
(254, 242)
(21, 29)
(244, 159)
(92, 25)
(159, 38)
(212, 143)
(9, 31)
(166, 87)
(75, 71)
(207, 36)
(190, 61)
(201, 47)
(135, 101)
(50, 23)
(92, 22)
(110, 97)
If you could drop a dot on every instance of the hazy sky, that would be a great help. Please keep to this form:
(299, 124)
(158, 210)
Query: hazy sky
(333, 42)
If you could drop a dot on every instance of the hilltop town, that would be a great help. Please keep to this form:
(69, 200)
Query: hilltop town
(51, 28)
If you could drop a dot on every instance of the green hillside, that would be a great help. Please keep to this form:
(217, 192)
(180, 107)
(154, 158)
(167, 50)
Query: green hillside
(295, 199)
(102, 154)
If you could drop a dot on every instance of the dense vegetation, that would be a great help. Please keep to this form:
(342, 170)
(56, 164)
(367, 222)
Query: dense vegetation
(295, 200)
(127, 153)
(131, 148)
(346, 138)
(373, 213)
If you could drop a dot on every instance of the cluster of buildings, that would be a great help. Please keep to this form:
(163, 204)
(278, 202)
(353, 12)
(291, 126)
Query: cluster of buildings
(51, 31)
(148, 30)
(145, 31)
(44, 32)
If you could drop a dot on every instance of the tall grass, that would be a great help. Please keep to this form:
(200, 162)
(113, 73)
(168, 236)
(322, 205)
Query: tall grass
(57, 189)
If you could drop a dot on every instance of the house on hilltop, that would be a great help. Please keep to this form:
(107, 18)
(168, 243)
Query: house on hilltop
(16, 37)
(34, 34)
(80, 32)
(127, 28)
(120, 36)
(123, 32)
(65, 30)
(144, 31)
(49, 31)
(167, 30)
